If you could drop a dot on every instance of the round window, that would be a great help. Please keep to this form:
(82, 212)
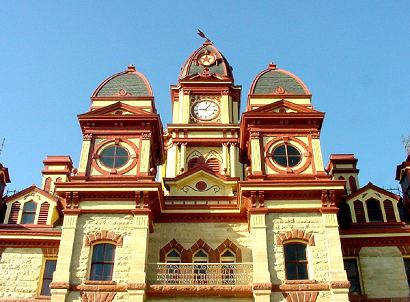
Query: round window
(114, 156)
(286, 156)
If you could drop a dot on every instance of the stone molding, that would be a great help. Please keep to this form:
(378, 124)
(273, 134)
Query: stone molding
(50, 252)
(300, 285)
(91, 238)
(199, 290)
(97, 296)
(262, 286)
(136, 286)
(339, 284)
(60, 285)
(295, 234)
(307, 296)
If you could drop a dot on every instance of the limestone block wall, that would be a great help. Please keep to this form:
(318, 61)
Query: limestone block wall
(20, 270)
(317, 254)
(188, 233)
(89, 223)
(383, 273)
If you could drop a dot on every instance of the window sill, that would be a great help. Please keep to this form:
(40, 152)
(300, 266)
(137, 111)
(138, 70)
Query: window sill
(41, 298)
(300, 281)
(99, 282)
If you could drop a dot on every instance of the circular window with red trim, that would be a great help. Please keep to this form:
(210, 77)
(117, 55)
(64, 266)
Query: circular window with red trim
(114, 156)
(286, 155)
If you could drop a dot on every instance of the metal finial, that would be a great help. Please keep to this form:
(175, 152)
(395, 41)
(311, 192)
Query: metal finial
(202, 35)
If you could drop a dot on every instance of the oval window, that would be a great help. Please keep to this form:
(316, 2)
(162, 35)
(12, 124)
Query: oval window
(114, 156)
(286, 156)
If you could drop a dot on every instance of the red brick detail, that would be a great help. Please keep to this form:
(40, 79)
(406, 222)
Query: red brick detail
(233, 291)
(47, 184)
(339, 284)
(97, 296)
(404, 249)
(359, 211)
(50, 252)
(310, 296)
(200, 244)
(389, 209)
(295, 234)
(14, 213)
(103, 235)
(363, 298)
(173, 244)
(42, 217)
(228, 244)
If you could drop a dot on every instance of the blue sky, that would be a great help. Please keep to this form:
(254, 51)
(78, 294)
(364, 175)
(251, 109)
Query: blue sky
(353, 55)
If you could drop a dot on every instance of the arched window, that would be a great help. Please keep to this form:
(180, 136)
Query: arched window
(200, 270)
(102, 263)
(373, 211)
(29, 212)
(228, 256)
(173, 257)
(296, 261)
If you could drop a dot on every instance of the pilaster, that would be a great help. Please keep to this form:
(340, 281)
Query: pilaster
(261, 276)
(85, 152)
(61, 280)
(136, 279)
(256, 154)
(145, 153)
(337, 275)
(224, 157)
(183, 163)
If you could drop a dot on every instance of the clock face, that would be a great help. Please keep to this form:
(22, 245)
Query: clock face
(205, 110)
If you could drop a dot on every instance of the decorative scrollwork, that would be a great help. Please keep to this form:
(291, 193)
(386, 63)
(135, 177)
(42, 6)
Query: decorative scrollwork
(215, 189)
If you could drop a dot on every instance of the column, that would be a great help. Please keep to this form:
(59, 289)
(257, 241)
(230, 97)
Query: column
(183, 163)
(224, 158)
(137, 276)
(85, 151)
(233, 159)
(61, 278)
(256, 156)
(145, 153)
(261, 276)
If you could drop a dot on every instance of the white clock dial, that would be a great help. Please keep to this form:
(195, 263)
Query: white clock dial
(205, 110)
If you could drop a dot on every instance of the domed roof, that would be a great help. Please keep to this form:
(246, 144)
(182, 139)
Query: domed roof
(278, 81)
(206, 60)
(126, 83)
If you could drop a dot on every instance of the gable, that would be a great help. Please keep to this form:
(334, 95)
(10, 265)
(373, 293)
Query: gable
(283, 106)
(201, 183)
(116, 109)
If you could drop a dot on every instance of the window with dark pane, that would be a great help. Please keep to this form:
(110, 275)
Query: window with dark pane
(49, 269)
(29, 212)
(286, 156)
(407, 267)
(352, 272)
(200, 270)
(102, 262)
(373, 211)
(295, 261)
(114, 156)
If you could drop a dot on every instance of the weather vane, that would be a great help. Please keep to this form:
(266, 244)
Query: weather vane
(202, 35)
(2, 145)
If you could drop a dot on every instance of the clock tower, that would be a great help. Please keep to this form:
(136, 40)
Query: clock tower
(205, 117)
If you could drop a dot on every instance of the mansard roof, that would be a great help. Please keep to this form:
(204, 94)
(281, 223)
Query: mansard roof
(277, 81)
(129, 82)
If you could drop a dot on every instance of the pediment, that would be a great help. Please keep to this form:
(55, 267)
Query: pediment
(283, 106)
(201, 182)
(32, 193)
(200, 77)
(117, 109)
(372, 191)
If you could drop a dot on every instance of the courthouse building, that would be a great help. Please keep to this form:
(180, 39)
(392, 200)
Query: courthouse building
(218, 205)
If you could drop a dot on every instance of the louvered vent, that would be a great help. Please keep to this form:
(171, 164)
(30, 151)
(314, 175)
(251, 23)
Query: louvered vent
(42, 217)
(14, 213)
(214, 164)
(359, 211)
(388, 208)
